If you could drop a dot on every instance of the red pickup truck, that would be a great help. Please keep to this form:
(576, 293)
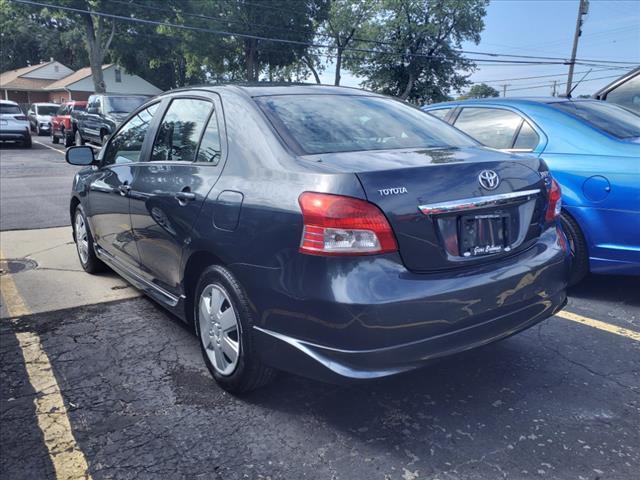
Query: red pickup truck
(63, 122)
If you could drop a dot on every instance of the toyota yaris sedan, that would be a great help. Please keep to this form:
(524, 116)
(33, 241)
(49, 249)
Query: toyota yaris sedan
(324, 231)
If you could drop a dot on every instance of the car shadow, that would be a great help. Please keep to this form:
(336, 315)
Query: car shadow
(609, 288)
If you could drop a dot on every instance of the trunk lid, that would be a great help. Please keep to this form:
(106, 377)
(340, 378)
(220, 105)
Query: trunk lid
(441, 215)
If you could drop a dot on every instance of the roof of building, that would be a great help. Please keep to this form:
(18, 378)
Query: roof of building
(73, 78)
(14, 80)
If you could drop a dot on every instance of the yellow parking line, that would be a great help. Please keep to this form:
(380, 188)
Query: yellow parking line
(68, 460)
(607, 327)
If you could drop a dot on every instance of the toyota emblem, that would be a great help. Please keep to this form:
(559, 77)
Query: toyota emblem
(489, 179)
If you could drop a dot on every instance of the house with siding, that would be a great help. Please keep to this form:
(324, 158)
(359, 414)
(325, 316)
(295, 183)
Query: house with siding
(53, 82)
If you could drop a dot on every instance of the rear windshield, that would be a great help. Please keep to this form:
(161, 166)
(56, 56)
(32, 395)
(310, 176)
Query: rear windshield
(47, 109)
(315, 124)
(123, 104)
(614, 120)
(8, 108)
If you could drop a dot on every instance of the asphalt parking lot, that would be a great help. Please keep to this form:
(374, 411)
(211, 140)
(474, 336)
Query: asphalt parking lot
(95, 378)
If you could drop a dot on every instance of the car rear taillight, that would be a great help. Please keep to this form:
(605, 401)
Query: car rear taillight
(20, 117)
(339, 225)
(555, 201)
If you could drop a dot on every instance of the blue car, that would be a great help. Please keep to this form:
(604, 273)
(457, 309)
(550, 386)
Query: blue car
(592, 148)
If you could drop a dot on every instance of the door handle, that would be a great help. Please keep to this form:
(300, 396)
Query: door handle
(185, 197)
(124, 189)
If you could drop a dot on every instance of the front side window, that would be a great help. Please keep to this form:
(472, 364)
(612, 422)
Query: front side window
(314, 124)
(612, 119)
(126, 145)
(493, 127)
(180, 131)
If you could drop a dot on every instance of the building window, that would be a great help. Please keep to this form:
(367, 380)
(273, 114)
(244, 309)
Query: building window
(118, 75)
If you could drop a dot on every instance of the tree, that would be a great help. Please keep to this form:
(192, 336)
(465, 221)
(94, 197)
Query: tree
(417, 57)
(347, 20)
(481, 90)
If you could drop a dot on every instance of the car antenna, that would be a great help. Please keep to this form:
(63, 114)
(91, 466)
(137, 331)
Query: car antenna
(568, 95)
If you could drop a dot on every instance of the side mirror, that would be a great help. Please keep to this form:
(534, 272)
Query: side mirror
(80, 155)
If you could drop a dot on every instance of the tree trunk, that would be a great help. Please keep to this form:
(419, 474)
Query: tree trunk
(338, 66)
(409, 87)
(250, 59)
(309, 62)
(97, 50)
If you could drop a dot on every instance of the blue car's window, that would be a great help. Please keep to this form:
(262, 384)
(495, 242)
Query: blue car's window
(627, 94)
(493, 127)
(439, 112)
(527, 138)
(180, 131)
(343, 123)
(609, 118)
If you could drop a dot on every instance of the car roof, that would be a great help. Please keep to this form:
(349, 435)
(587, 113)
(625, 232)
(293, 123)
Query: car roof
(8, 102)
(509, 101)
(47, 104)
(265, 89)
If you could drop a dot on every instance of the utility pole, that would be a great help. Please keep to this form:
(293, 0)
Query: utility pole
(583, 9)
(504, 89)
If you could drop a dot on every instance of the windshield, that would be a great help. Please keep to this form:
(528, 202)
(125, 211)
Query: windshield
(9, 109)
(47, 109)
(315, 124)
(612, 119)
(123, 104)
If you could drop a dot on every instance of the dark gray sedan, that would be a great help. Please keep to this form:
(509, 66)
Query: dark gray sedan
(324, 231)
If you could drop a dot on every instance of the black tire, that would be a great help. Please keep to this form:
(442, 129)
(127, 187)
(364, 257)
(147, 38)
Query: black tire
(578, 248)
(78, 138)
(92, 264)
(68, 139)
(26, 143)
(55, 140)
(249, 373)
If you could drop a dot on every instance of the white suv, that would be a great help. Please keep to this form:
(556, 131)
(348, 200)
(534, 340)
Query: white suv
(14, 126)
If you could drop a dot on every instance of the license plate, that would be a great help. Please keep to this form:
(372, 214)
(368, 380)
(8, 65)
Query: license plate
(483, 234)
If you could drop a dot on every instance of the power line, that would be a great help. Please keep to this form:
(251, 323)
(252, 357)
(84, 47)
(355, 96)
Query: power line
(550, 75)
(561, 61)
(269, 39)
(541, 85)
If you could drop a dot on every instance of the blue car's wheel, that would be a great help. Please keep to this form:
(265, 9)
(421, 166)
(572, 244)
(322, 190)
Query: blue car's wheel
(578, 246)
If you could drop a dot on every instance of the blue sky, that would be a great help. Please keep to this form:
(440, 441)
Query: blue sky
(611, 31)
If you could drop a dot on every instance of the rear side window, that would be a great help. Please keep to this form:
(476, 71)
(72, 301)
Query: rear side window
(627, 94)
(180, 131)
(209, 150)
(612, 119)
(439, 113)
(10, 109)
(126, 145)
(313, 124)
(495, 128)
(527, 138)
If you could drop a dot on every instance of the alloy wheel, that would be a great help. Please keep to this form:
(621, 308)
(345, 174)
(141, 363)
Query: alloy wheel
(219, 329)
(82, 240)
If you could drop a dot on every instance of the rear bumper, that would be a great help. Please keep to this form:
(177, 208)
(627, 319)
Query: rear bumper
(334, 319)
(338, 365)
(14, 135)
